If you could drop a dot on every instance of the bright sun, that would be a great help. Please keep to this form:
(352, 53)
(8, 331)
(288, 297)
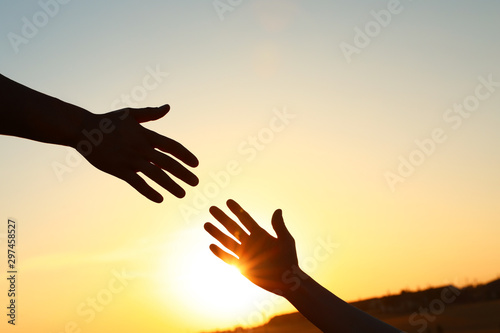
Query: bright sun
(206, 284)
(217, 285)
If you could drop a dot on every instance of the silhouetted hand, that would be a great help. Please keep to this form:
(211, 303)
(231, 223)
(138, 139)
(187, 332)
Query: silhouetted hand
(116, 143)
(271, 263)
(262, 258)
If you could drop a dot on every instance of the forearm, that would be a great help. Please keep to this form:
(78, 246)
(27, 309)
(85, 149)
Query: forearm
(27, 113)
(330, 313)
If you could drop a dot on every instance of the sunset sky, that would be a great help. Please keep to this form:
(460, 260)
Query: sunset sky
(373, 125)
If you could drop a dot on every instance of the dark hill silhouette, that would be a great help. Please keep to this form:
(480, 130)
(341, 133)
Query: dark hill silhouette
(401, 306)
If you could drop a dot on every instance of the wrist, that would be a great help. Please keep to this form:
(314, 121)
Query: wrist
(55, 121)
(294, 281)
(77, 121)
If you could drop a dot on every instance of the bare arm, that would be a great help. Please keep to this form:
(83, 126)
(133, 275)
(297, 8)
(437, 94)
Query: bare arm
(271, 263)
(30, 114)
(330, 313)
(114, 142)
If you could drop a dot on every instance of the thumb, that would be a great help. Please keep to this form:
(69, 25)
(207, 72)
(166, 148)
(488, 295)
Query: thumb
(148, 114)
(279, 225)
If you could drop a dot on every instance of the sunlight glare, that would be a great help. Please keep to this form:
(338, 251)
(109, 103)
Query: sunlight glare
(207, 285)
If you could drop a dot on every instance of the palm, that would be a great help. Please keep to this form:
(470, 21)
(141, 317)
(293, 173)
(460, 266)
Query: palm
(124, 148)
(262, 258)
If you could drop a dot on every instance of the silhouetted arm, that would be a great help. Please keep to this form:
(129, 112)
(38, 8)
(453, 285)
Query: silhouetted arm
(271, 263)
(114, 142)
(330, 313)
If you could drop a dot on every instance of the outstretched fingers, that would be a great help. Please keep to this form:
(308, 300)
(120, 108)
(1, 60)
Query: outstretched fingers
(243, 216)
(148, 114)
(142, 187)
(174, 167)
(173, 147)
(279, 226)
(224, 239)
(223, 255)
(231, 226)
(161, 178)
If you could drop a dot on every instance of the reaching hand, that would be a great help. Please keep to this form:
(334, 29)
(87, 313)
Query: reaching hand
(262, 258)
(116, 143)
(269, 262)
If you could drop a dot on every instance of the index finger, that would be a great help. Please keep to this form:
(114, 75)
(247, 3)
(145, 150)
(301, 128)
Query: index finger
(228, 223)
(243, 216)
(174, 148)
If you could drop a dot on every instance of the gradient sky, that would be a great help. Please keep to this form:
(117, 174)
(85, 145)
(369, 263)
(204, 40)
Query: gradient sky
(353, 122)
